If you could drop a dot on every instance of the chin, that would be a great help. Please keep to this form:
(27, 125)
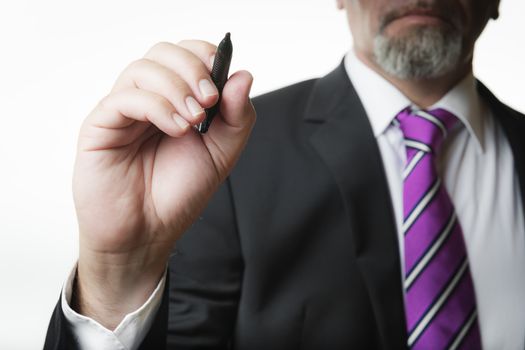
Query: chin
(418, 51)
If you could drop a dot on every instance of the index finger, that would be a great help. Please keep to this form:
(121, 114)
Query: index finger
(202, 49)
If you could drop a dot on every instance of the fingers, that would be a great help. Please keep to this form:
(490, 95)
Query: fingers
(180, 73)
(202, 49)
(189, 66)
(151, 76)
(164, 52)
(111, 124)
(170, 88)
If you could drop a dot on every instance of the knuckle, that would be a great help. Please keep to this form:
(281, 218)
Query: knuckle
(204, 47)
(158, 47)
(137, 64)
(105, 103)
(207, 45)
(184, 42)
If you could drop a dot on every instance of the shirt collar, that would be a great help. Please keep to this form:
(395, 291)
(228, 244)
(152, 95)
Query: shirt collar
(382, 101)
(465, 103)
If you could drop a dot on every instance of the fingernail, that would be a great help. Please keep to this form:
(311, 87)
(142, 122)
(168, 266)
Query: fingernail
(193, 106)
(251, 81)
(181, 122)
(207, 88)
(212, 59)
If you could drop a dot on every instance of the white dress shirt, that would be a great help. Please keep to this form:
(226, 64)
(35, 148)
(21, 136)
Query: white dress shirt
(128, 335)
(478, 171)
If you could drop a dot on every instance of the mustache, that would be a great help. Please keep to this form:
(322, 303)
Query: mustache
(421, 7)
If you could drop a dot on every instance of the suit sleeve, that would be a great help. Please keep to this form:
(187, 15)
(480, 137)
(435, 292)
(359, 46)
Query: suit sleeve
(59, 336)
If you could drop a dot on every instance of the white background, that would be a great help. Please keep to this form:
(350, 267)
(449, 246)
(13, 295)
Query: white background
(58, 58)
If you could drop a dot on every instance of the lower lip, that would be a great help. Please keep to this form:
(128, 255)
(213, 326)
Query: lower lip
(420, 19)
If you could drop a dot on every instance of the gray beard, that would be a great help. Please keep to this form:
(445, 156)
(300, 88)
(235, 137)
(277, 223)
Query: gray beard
(425, 52)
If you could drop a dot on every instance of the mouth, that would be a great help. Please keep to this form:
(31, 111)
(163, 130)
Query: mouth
(418, 16)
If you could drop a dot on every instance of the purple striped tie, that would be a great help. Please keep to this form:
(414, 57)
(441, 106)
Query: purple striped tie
(439, 293)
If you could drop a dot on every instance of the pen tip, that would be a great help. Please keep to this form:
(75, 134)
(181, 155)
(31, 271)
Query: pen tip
(228, 35)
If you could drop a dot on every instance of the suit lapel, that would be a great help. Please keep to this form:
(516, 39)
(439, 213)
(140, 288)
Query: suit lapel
(513, 124)
(346, 144)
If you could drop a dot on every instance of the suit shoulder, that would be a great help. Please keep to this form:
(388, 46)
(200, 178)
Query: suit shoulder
(513, 112)
(291, 96)
(497, 105)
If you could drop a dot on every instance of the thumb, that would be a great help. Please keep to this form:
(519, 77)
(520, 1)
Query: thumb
(236, 109)
(231, 127)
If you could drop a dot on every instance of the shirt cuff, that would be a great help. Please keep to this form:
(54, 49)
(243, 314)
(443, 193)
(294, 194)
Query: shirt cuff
(129, 333)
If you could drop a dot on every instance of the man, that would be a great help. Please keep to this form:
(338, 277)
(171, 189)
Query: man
(379, 207)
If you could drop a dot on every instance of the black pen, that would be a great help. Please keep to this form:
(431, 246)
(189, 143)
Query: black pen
(219, 75)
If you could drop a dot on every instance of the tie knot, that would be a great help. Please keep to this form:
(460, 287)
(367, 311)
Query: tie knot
(425, 130)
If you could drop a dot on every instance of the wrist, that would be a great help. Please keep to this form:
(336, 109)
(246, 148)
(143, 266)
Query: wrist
(107, 286)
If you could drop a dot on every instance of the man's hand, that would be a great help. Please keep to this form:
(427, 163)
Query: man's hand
(143, 174)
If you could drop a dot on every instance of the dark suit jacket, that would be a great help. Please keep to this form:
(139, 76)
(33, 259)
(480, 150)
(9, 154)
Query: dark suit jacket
(298, 249)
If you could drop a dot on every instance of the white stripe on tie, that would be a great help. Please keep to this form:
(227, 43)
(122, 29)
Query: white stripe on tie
(420, 206)
(430, 253)
(437, 305)
(419, 155)
(433, 120)
(418, 145)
